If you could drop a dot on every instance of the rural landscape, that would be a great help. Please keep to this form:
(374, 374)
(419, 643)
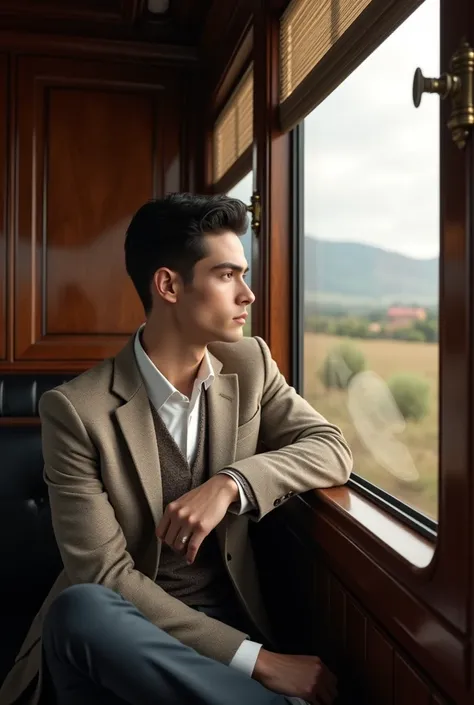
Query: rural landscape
(371, 361)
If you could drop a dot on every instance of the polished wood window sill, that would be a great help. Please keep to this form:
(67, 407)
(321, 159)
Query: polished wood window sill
(358, 514)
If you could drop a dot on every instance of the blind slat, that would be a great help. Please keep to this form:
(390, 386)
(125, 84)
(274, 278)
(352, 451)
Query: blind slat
(308, 30)
(233, 131)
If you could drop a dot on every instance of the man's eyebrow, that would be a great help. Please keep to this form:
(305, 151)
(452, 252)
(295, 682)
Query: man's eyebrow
(231, 265)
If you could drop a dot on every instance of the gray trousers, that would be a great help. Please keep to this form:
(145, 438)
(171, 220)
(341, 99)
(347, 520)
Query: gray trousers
(100, 650)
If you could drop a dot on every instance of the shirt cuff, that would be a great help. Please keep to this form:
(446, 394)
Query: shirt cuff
(244, 505)
(246, 657)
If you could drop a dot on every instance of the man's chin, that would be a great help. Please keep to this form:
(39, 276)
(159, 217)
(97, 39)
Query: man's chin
(228, 336)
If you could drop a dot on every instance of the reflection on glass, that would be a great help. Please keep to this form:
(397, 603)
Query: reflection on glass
(371, 263)
(243, 191)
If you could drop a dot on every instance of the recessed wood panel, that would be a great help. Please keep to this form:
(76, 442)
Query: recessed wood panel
(408, 686)
(379, 668)
(4, 109)
(59, 8)
(179, 24)
(95, 141)
(100, 157)
(356, 641)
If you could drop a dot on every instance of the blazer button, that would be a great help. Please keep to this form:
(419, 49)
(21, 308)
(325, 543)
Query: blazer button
(229, 557)
(276, 502)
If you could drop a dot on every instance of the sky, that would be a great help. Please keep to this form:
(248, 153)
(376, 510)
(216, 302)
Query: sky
(371, 158)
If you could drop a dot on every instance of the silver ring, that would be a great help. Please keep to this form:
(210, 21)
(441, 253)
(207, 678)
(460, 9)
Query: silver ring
(185, 539)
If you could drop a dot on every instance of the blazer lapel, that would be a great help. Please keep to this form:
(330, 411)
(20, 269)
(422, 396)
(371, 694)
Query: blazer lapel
(223, 404)
(136, 423)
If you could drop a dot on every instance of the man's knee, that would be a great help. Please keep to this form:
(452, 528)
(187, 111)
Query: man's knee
(79, 611)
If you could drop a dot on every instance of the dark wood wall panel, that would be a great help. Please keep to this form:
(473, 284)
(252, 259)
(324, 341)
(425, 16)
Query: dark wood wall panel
(379, 660)
(94, 142)
(377, 669)
(3, 202)
(100, 168)
(316, 611)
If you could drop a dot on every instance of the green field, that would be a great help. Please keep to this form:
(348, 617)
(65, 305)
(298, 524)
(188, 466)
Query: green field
(385, 357)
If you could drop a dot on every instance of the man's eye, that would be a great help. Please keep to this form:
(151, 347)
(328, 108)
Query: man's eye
(228, 275)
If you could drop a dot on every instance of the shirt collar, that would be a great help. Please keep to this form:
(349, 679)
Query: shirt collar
(159, 389)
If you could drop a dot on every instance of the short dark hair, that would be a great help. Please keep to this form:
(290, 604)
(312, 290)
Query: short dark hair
(168, 232)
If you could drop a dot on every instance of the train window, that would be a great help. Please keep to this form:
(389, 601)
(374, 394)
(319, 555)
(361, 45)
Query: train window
(370, 262)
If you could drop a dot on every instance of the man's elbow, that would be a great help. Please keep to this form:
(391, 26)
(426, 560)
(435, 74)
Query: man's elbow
(342, 461)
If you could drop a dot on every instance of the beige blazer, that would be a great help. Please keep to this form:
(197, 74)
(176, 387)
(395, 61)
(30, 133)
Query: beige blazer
(103, 473)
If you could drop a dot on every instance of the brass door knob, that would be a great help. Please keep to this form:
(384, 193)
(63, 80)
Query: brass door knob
(444, 86)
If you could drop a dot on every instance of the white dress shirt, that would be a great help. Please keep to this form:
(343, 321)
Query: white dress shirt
(181, 417)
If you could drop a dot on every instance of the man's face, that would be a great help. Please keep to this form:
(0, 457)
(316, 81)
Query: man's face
(213, 307)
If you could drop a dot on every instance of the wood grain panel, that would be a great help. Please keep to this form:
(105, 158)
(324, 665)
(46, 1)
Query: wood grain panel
(356, 642)
(4, 110)
(337, 613)
(371, 666)
(91, 9)
(91, 150)
(408, 686)
(100, 157)
(379, 667)
(112, 19)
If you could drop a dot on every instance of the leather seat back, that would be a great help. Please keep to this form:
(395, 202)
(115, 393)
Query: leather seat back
(29, 557)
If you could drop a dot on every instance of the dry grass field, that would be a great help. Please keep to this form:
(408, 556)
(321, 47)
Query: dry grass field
(384, 357)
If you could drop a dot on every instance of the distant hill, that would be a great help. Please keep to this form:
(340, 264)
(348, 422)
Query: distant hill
(351, 274)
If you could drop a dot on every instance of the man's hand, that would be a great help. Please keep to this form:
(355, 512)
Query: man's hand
(187, 521)
(298, 676)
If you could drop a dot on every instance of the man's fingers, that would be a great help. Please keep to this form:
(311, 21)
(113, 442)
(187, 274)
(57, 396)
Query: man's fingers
(182, 539)
(194, 545)
(163, 526)
(326, 690)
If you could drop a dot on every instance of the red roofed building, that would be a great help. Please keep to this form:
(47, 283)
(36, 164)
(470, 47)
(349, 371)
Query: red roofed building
(404, 316)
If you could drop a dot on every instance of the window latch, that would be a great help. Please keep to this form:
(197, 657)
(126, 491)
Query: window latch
(256, 210)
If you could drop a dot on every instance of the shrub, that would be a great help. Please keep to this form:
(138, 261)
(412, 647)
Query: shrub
(341, 364)
(411, 394)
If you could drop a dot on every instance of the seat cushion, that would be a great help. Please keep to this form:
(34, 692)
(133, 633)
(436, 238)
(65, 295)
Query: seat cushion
(29, 557)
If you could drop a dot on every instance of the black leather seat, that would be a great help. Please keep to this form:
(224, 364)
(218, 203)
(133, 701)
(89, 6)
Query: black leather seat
(29, 557)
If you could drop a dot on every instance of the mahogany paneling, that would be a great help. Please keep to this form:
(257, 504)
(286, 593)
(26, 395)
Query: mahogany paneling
(91, 9)
(379, 664)
(371, 666)
(106, 49)
(94, 142)
(408, 685)
(272, 165)
(95, 179)
(225, 27)
(3, 203)
(125, 19)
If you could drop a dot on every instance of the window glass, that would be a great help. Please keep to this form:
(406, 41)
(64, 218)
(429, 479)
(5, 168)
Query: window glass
(371, 261)
(243, 191)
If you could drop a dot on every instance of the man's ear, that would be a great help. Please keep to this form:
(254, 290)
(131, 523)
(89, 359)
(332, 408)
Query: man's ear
(167, 284)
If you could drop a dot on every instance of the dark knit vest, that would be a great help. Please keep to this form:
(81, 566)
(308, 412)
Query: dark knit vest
(206, 582)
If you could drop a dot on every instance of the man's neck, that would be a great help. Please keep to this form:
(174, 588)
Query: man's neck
(176, 361)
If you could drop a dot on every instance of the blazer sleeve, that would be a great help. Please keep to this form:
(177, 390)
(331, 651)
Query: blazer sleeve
(92, 544)
(304, 450)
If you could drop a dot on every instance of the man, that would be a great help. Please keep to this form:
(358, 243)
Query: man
(153, 473)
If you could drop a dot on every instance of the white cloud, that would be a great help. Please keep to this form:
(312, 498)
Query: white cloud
(371, 158)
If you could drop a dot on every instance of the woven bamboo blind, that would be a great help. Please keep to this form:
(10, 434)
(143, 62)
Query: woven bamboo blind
(308, 29)
(233, 131)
